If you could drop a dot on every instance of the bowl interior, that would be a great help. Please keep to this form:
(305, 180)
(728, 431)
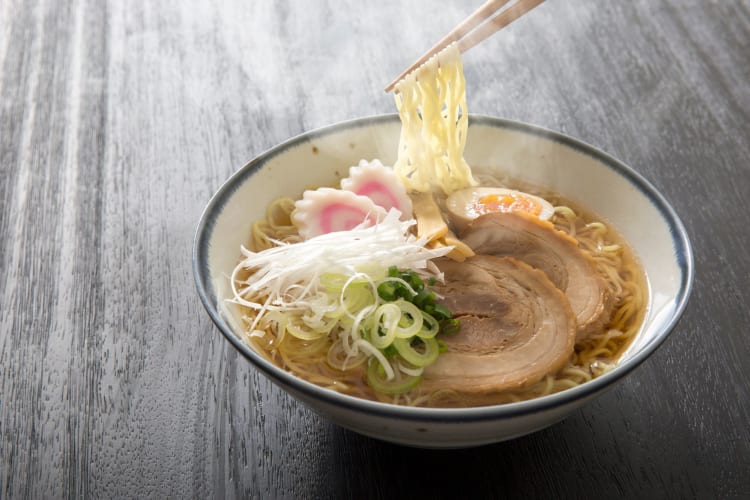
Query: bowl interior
(577, 171)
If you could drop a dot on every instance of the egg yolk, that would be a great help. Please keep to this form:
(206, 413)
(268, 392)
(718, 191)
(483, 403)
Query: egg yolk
(507, 203)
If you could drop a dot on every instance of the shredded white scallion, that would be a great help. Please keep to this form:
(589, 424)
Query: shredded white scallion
(289, 273)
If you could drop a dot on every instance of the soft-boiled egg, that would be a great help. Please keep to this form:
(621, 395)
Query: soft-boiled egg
(468, 204)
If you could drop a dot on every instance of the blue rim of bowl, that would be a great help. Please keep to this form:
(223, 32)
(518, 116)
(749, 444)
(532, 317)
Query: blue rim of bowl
(681, 248)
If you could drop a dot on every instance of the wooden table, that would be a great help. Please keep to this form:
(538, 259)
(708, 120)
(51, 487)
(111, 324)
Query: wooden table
(118, 120)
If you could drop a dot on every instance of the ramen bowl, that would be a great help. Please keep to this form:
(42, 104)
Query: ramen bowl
(579, 172)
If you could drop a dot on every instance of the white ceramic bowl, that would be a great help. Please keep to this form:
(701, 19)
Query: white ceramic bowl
(579, 172)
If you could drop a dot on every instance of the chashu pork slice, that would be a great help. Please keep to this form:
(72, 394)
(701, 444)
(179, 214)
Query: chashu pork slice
(540, 245)
(515, 326)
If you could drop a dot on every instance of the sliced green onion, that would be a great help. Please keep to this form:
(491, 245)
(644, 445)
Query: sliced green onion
(442, 312)
(357, 295)
(392, 288)
(333, 282)
(319, 324)
(387, 290)
(377, 379)
(339, 359)
(276, 321)
(423, 297)
(384, 324)
(410, 370)
(450, 326)
(375, 272)
(410, 321)
(379, 356)
(354, 334)
(304, 332)
(337, 312)
(423, 357)
(430, 327)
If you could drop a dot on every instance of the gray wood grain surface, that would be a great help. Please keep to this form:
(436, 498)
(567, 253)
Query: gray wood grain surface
(118, 120)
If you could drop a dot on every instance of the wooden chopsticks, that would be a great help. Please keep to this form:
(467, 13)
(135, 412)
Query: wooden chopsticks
(475, 28)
